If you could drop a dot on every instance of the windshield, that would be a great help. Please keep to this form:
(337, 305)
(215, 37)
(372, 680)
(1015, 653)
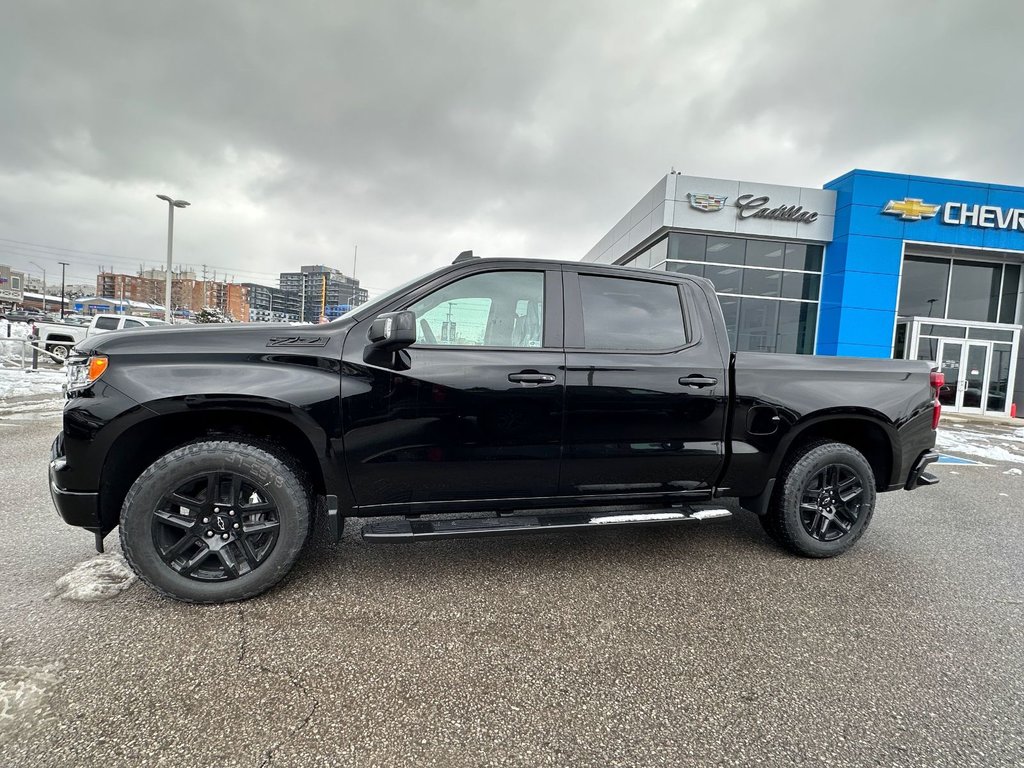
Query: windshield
(384, 299)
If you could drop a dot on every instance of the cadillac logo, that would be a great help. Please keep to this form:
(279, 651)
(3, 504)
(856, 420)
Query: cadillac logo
(705, 202)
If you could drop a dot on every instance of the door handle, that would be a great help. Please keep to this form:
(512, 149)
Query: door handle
(532, 377)
(698, 381)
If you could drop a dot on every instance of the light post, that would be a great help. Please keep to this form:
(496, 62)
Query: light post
(171, 205)
(63, 265)
(44, 282)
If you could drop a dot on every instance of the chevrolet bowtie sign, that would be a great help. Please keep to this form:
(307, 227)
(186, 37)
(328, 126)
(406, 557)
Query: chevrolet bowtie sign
(957, 214)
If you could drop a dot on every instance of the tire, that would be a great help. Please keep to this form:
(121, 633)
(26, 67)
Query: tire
(808, 515)
(243, 505)
(60, 351)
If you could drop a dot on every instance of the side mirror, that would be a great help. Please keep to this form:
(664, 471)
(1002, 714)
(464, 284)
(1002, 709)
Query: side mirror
(392, 330)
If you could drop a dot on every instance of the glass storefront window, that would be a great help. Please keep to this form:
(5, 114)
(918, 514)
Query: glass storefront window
(762, 282)
(999, 377)
(686, 247)
(684, 267)
(974, 292)
(731, 310)
(899, 348)
(758, 326)
(801, 286)
(797, 321)
(807, 257)
(726, 279)
(950, 331)
(923, 286)
(726, 250)
(990, 334)
(763, 253)
(1011, 289)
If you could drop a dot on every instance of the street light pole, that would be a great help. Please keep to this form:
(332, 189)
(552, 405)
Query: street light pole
(44, 282)
(63, 265)
(171, 205)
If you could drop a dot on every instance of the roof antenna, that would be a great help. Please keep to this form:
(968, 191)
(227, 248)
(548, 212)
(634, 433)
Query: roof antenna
(464, 256)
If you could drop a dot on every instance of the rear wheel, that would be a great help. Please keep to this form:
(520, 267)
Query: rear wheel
(215, 521)
(59, 351)
(825, 501)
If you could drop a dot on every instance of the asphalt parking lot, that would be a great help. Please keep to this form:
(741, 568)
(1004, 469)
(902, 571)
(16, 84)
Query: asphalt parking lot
(675, 645)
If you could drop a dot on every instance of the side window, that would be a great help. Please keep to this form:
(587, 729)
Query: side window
(133, 324)
(107, 323)
(631, 315)
(492, 309)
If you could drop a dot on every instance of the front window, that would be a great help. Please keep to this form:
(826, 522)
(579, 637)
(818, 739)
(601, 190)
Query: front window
(491, 309)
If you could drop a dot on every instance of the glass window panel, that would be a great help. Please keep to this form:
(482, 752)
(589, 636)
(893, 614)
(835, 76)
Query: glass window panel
(493, 309)
(797, 321)
(686, 247)
(641, 261)
(630, 314)
(992, 334)
(726, 250)
(1011, 289)
(651, 256)
(999, 378)
(949, 331)
(801, 286)
(923, 287)
(762, 253)
(974, 375)
(107, 323)
(800, 256)
(684, 267)
(900, 345)
(928, 349)
(949, 365)
(758, 326)
(974, 291)
(731, 310)
(761, 282)
(726, 279)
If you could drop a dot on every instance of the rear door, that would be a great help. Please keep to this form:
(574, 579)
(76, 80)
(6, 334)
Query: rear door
(473, 409)
(645, 387)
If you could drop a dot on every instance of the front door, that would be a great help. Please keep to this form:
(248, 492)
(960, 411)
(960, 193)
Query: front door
(473, 409)
(950, 357)
(645, 388)
(974, 378)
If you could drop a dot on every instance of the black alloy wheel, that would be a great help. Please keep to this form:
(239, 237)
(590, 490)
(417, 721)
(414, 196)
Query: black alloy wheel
(824, 500)
(216, 526)
(217, 520)
(831, 502)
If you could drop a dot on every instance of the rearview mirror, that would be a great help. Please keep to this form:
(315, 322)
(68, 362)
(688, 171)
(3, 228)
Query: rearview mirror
(393, 330)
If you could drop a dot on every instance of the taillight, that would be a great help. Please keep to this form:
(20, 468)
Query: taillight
(938, 380)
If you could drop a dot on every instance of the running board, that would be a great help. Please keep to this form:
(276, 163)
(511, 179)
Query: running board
(416, 530)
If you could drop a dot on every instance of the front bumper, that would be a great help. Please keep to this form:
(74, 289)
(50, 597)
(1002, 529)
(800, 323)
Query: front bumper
(918, 475)
(74, 507)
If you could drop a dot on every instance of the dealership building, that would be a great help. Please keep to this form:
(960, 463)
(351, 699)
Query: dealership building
(871, 265)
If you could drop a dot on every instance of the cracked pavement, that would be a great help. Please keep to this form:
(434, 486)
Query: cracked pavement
(674, 645)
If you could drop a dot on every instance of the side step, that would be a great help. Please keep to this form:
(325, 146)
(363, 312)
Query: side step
(416, 530)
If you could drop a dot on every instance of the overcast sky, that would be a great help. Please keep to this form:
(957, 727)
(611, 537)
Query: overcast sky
(416, 130)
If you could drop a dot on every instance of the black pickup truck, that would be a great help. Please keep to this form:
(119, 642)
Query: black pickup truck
(528, 395)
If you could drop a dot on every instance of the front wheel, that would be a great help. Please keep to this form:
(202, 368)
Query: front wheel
(825, 501)
(215, 521)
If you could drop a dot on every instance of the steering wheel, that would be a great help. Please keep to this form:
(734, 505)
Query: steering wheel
(428, 333)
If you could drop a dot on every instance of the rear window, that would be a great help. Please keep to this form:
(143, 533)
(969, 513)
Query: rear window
(106, 323)
(133, 324)
(631, 315)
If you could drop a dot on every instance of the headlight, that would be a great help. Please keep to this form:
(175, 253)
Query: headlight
(82, 373)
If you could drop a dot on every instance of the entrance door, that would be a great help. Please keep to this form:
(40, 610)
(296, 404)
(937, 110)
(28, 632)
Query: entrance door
(950, 354)
(974, 378)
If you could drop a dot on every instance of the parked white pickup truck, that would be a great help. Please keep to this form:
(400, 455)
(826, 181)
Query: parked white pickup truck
(59, 338)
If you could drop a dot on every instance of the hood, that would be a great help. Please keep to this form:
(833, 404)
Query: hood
(214, 337)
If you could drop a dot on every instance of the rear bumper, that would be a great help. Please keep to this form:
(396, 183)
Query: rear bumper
(75, 507)
(918, 476)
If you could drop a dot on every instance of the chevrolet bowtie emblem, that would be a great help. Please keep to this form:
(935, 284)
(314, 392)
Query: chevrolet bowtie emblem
(911, 209)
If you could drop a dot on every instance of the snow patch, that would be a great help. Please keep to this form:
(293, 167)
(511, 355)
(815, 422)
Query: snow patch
(23, 696)
(15, 382)
(98, 578)
(1013, 471)
(1004, 447)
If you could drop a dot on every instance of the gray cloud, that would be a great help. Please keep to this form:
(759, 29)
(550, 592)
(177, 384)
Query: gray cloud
(419, 129)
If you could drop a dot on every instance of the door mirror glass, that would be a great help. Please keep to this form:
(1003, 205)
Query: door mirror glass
(393, 330)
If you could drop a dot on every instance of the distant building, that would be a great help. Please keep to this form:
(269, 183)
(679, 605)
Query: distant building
(271, 305)
(188, 295)
(322, 291)
(12, 286)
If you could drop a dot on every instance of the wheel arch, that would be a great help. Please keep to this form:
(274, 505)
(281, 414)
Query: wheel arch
(145, 441)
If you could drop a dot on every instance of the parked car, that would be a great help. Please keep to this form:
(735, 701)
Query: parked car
(486, 388)
(59, 338)
(24, 316)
